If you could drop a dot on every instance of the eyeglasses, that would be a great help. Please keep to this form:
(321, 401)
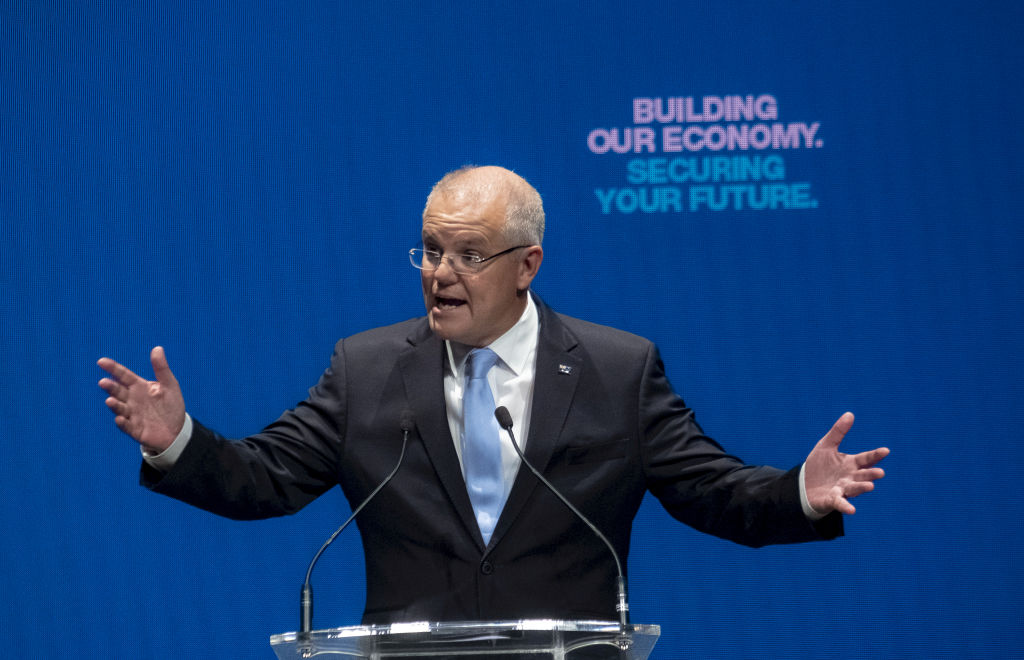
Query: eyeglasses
(463, 264)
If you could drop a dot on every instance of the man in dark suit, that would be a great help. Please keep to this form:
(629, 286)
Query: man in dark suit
(462, 533)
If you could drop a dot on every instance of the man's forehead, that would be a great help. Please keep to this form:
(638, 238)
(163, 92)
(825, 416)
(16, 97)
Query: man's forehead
(471, 231)
(473, 216)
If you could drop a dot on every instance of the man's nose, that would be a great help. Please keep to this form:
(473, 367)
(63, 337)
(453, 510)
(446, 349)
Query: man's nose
(444, 271)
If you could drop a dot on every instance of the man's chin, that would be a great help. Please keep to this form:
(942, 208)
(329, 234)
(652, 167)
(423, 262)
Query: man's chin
(454, 329)
(443, 325)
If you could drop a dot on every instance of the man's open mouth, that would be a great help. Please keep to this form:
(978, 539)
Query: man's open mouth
(448, 303)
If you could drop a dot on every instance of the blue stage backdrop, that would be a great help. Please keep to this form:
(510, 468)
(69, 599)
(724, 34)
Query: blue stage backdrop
(811, 207)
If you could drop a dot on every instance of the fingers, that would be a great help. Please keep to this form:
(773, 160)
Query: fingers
(119, 386)
(842, 505)
(124, 378)
(122, 415)
(871, 458)
(838, 502)
(852, 489)
(118, 407)
(114, 389)
(858, 488)
(870, 474)
(121, 373)
(125, 425)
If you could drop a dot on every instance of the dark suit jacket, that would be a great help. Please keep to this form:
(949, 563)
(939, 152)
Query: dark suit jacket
(606, 428)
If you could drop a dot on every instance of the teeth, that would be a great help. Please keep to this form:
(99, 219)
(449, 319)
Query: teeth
(448, 303)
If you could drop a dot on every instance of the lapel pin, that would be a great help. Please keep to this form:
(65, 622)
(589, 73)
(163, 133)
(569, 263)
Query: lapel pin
(564, 369)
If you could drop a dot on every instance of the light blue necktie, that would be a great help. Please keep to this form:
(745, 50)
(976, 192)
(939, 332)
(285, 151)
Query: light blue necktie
(481, 449)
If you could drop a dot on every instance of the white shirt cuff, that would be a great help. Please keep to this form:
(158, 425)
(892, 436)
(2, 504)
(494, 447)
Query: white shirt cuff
(166, 459)
(804, 504)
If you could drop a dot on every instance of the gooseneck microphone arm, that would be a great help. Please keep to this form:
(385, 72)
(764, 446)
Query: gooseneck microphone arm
(306, 606)
(622, 604)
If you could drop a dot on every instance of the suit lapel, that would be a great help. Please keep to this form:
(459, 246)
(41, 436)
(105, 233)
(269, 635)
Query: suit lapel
(422, 366)
(557, 375)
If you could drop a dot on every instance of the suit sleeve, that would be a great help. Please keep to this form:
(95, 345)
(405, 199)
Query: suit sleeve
(701, 485)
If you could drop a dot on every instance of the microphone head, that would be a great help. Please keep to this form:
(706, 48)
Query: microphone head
(504, 418)
(408, 421)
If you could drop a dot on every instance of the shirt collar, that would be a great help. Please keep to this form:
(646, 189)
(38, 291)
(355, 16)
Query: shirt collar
(513, 348)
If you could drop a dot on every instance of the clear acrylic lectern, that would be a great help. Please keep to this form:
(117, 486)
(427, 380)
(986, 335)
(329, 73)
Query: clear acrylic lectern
(508, 640)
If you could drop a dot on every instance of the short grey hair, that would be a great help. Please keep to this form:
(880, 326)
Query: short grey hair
(524, 211)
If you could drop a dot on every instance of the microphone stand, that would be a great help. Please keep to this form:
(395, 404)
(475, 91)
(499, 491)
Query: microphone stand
(622, 605)
(306, 600)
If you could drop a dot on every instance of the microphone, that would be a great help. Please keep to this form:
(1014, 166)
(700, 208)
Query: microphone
(622, 605)
(306, 601)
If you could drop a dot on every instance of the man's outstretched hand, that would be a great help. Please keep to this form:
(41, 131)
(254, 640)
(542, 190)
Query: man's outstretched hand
(833, 478)
(152, 412)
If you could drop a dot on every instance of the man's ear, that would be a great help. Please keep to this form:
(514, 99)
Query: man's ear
(529, 264)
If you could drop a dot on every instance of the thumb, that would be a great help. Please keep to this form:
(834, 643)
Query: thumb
(838, 431)
(161, 369)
